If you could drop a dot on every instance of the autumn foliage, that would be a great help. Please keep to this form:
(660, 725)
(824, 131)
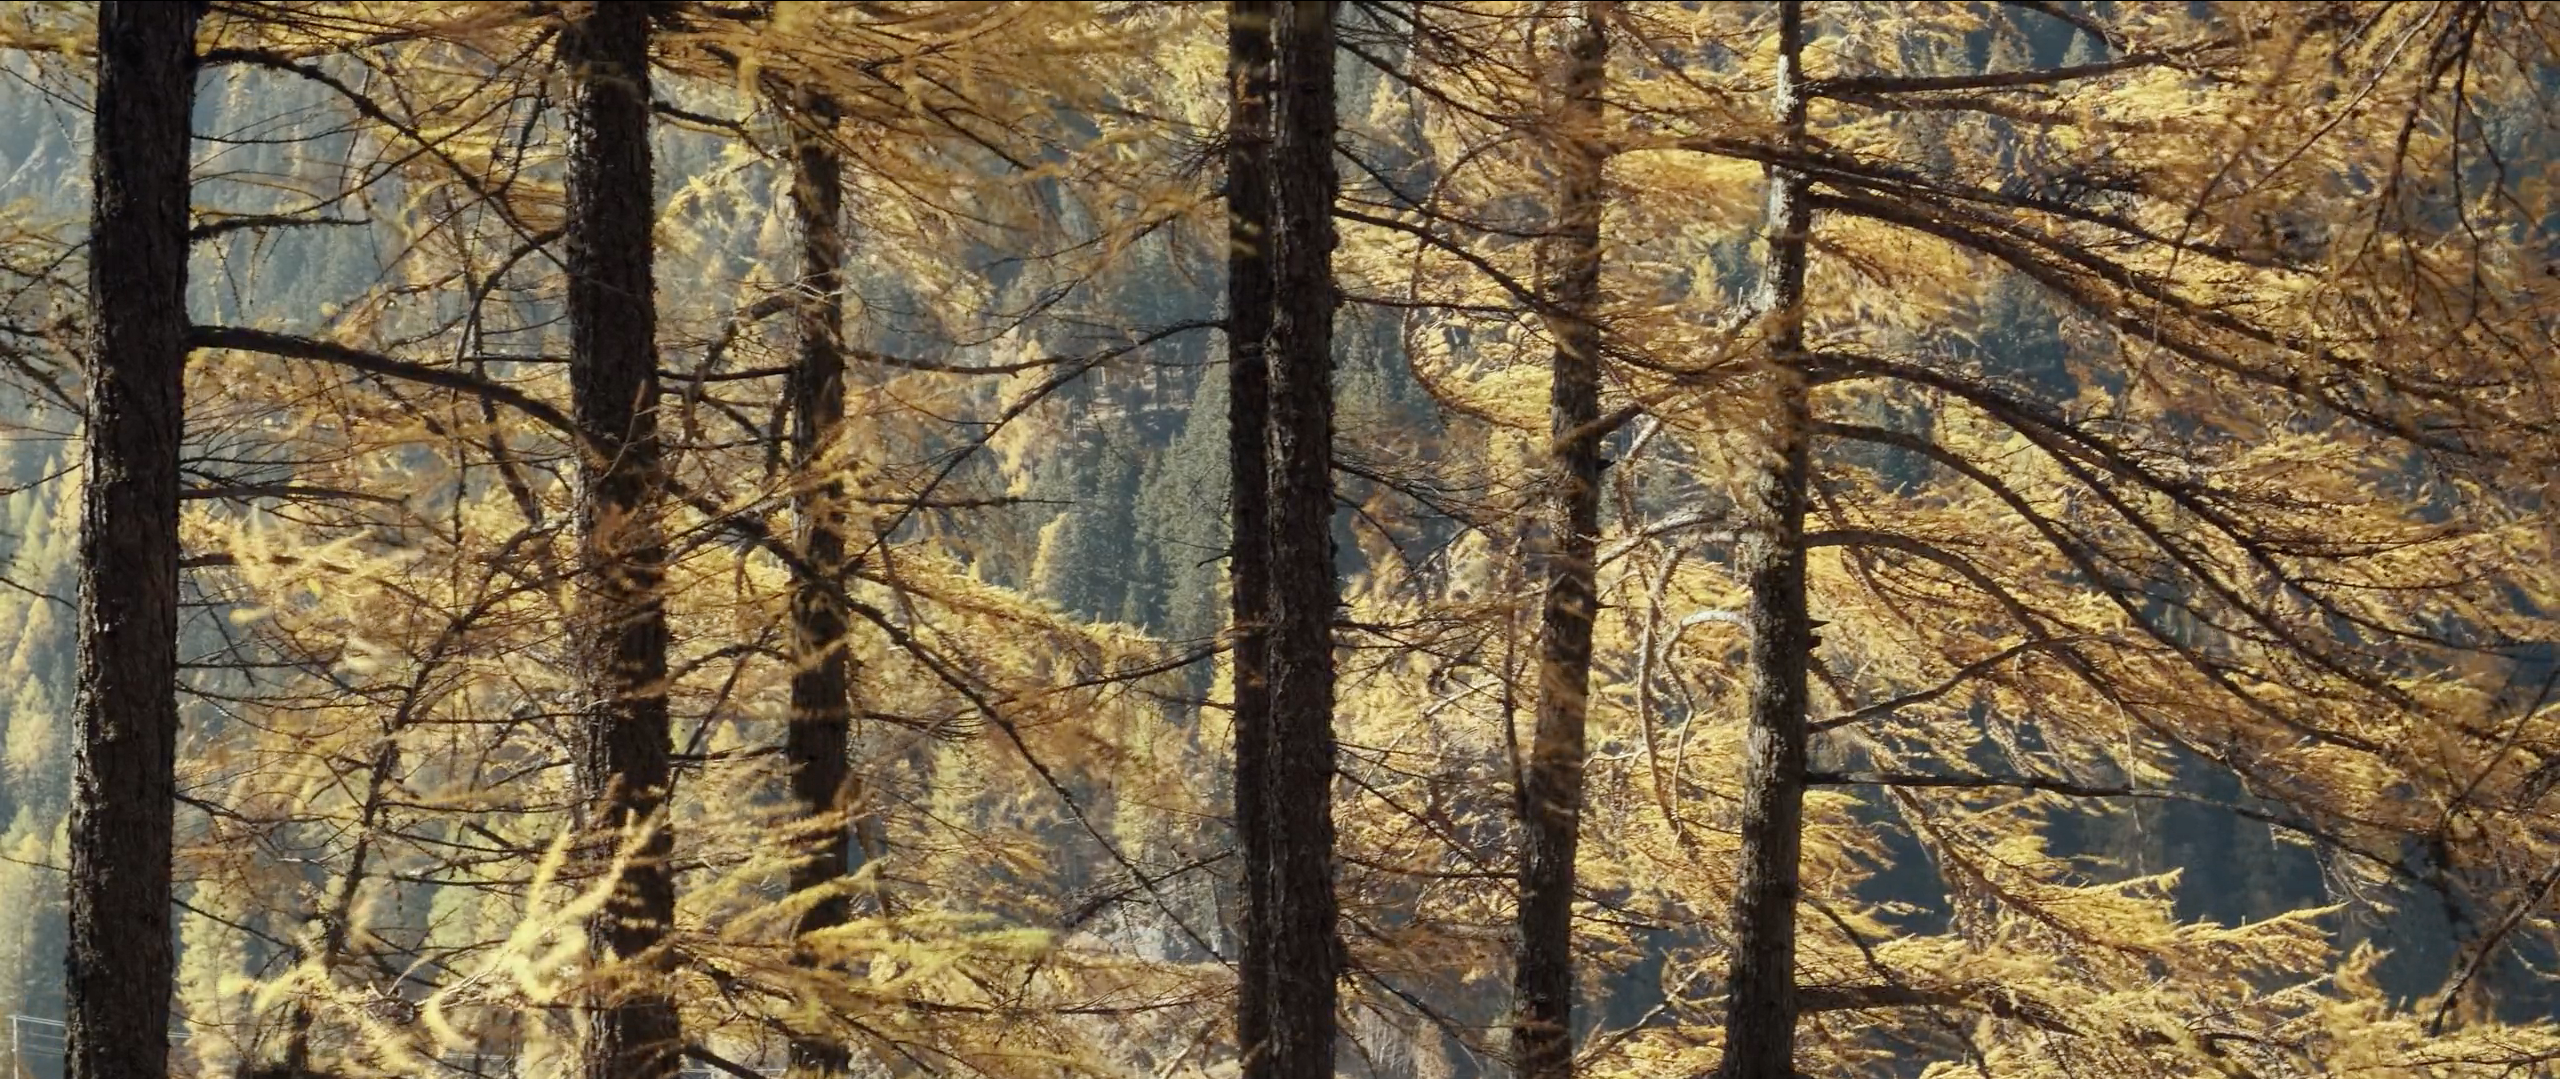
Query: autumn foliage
(1417, 540)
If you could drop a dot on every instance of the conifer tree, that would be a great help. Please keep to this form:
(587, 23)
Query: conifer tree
(1760, 1013)
(1551, 793)
(821, 681)
(620, 628)
(123, 801)
(1305, 951)
(1250, 301)
(2165, 380)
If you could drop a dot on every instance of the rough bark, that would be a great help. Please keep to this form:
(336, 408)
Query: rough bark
(1248, 559)
(1306, 957)
(619, 629)
(126, 715)
(1551, 784)
(1760, 1018)
(815, 748)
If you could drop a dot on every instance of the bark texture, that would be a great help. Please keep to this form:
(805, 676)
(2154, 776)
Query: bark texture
(817, 744)
(1551, 784)
(1306, 956)
(620, 628)
(126, 716)
(1760, 1018)
(1249, 302)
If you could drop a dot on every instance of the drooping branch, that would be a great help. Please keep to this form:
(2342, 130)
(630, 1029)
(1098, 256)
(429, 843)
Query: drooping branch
(2077, 789)
(2075, 288)
(2084, 558)
(243, 339)
(2075, 448)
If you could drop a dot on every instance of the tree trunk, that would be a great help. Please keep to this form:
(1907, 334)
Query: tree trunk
(821, 673)
(1249, 302)
(126, 718)
(620, 629)
(1306, 956)
(1551, 785)
(1760, 1018)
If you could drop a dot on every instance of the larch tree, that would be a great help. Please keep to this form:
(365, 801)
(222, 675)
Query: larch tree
(1551, 794)
(2245, 629)
(1305, 950)
(125, 720)
(1250, 301)
(1760, 1009)
(1869, 967)
(391, 746)
(817, 747)
(2163, 378)
(620, 628)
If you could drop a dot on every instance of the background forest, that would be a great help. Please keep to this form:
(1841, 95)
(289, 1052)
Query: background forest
(1416, 540)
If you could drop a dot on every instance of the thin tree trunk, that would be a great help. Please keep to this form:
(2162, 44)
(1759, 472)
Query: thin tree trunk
(342, 906)
(1551, 794)
(1760, 1020)
(123, 787)
(821, 675)
(1249, 302)
(620, 629)
(1306, 956)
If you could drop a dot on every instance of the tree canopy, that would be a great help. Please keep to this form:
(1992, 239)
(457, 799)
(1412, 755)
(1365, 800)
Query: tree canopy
(1420, 540)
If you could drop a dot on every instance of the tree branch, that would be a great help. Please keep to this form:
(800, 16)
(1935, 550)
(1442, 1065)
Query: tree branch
(242, 339)
(1988, 80)
(1836, 998)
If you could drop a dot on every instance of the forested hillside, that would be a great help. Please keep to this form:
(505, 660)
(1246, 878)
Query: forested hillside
(1279, 539)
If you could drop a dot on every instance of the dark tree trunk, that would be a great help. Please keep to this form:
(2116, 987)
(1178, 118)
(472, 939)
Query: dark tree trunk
(1248, 557)
(1306, 956)
(822, 668)
(1760, 1019)
(1551, 785)
(620, 627)
(123, 787)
